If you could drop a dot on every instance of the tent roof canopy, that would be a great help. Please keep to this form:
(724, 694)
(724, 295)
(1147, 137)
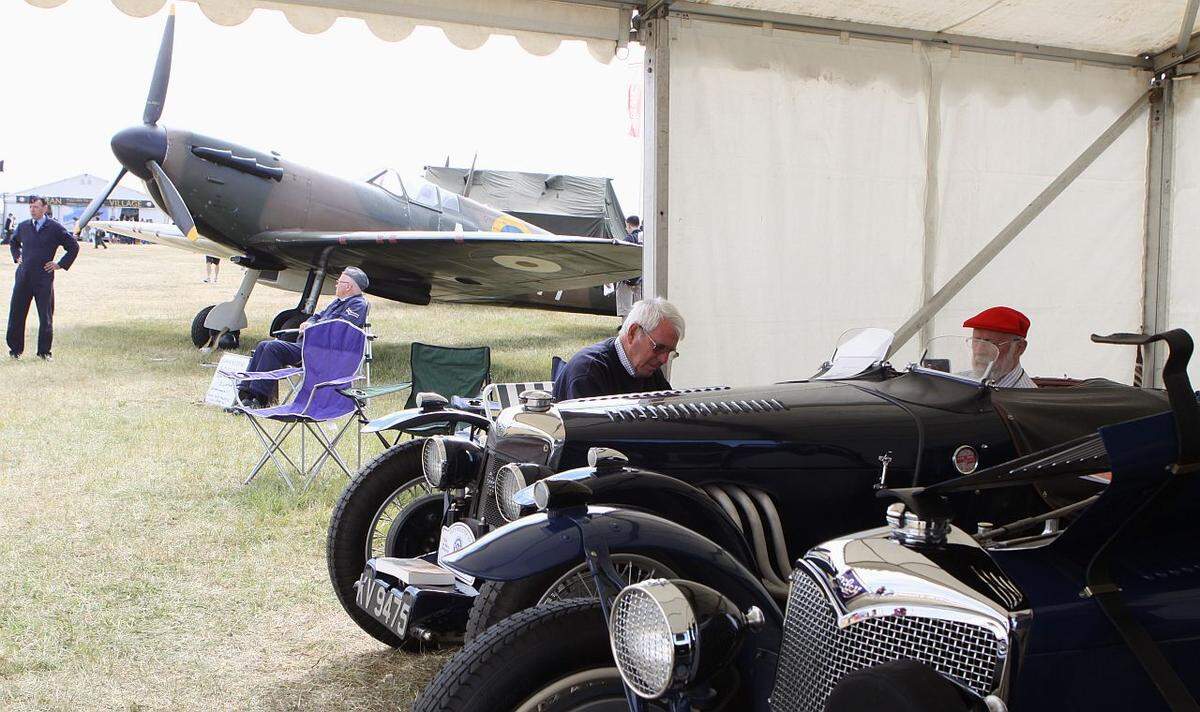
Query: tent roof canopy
(1141, 33)
(1124, 27)
(539, 26)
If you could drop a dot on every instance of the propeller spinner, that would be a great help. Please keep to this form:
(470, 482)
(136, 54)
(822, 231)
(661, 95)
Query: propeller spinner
(142, 149)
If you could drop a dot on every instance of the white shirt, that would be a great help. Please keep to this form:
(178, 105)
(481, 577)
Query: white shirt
(623, 358)
(1016, 378)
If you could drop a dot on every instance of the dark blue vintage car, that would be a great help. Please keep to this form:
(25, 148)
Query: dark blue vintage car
(765, 472)
(1094, 604)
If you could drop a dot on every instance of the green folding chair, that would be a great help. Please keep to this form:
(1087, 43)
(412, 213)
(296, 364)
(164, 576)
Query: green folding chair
(449, 371)
(445, 370)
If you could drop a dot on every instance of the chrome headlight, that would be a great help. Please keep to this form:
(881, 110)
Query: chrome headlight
(433, 461)
(654, 637)
(449, 462)
(509, 480)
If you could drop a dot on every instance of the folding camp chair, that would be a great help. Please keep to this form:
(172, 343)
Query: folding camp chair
(445, 370)
(557, 364)
(294, 375)
(331, 353)
(498, 396)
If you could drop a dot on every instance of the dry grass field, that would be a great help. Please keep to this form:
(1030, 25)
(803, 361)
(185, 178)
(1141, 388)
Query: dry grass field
(136, 572)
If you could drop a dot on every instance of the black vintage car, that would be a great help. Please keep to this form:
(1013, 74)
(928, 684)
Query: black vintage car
(1093, 605)
(765, 472)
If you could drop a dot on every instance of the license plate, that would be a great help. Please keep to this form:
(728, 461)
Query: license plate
(386, 604)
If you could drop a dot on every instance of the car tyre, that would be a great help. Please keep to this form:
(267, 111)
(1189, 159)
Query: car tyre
(552, 658)
(498, 600)
(363, 523)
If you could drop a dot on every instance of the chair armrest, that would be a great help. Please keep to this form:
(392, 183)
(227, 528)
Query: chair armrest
(277, 375)
(285, 331)
(375, 391)
(345, 380)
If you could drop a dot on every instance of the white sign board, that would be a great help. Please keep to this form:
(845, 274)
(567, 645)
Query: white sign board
(223, 389)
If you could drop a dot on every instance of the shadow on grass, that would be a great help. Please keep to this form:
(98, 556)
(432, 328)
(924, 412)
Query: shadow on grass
(377, 680)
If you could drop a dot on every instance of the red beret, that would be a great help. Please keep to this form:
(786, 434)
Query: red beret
(1003, 319)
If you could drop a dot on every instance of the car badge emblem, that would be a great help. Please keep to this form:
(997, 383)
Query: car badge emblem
(966, 459)
(849, 587)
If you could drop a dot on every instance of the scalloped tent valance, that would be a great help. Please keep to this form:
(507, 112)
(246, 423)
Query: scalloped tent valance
(539, 26)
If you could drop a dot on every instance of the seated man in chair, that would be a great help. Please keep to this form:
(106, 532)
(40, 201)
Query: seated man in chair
(350, 305)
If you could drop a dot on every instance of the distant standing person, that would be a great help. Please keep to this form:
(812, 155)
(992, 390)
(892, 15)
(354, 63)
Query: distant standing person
(212, 268)
(9, 223)
(633, 229)
(98, 239)
(630, 291)
(33, 246)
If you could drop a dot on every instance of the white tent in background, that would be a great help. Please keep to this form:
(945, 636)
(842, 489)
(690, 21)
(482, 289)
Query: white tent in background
(813, 165)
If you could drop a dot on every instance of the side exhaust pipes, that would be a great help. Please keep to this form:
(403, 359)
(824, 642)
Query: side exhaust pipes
(757, 517)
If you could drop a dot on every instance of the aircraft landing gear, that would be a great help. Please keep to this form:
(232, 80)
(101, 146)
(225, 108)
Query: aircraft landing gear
(288, 319)
(214, 326)
(202, 335)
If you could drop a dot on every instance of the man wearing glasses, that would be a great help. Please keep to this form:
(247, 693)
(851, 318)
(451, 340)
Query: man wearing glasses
(350, 305)
(632, 361)
(1005, 328)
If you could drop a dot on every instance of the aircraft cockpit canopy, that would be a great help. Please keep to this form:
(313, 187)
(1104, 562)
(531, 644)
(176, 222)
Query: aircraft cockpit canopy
(417, 190)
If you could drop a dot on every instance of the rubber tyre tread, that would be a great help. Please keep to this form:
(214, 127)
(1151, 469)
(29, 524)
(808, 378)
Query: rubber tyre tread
(498, 600)
(200, 332)
(523, 653)
(350, 522)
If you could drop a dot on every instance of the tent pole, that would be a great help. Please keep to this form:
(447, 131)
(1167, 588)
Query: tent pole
(656, 34)
(1156, 294)
(1185, 29)
(933, 140)
(1014, 228)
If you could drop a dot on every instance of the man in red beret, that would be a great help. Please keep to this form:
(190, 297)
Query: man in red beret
(1006, 329)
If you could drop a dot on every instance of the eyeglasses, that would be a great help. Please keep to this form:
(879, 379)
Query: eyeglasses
(1000, 344)
(658, 348)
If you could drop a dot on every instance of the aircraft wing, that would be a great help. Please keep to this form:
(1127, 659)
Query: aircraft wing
(164, 234)
(454, 266)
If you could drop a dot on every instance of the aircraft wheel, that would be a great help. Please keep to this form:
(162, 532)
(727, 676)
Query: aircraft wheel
(288, 319)
(201, 334)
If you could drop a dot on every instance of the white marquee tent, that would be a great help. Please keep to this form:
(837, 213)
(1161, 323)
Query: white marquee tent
(813, 165)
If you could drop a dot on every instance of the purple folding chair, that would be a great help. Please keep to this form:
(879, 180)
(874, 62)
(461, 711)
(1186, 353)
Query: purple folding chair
(330, 357)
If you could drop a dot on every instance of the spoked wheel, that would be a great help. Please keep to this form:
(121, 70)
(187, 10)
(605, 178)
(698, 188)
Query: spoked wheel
(386, 510)
(553, 658)
(578, 583)
(498, 600)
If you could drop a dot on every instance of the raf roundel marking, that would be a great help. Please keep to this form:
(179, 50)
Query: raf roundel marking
(966, 460)
(527, 264)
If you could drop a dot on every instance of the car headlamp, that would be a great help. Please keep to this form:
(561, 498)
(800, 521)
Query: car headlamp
(449, 462)
(656, 627)
(654, 637)
(509, 480)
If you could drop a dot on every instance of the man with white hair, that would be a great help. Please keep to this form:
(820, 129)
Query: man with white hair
(632, 361)
(272, 354)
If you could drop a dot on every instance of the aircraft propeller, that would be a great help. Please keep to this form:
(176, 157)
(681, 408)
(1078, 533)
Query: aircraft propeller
(142, 149)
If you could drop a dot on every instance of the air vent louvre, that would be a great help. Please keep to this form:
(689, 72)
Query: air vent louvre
(699, 409)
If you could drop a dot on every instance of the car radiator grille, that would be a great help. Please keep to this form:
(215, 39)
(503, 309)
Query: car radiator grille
(816, 653)
(487, 509)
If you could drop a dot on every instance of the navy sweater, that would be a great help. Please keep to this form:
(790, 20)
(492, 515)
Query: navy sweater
(34, 248)
(596, 370)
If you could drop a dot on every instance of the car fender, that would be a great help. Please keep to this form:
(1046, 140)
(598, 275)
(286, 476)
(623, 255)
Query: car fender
(545, 541)
(414, 417)
(675, 500)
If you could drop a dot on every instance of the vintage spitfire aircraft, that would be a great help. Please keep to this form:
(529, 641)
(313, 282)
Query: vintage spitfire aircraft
(417, 243)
